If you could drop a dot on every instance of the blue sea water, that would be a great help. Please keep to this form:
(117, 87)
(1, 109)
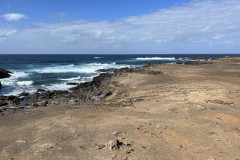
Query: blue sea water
(52, 72)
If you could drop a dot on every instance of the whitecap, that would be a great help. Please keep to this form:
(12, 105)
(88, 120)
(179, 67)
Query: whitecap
(98, 57)
(25, 83)
(70, 79)
(155, 58)
(13, 78)
(83, 68)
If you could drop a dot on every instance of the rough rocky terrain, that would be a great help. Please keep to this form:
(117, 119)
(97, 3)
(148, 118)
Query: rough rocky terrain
(173, 111)
(4, 74)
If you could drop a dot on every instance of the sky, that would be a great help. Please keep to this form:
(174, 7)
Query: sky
(119, 26)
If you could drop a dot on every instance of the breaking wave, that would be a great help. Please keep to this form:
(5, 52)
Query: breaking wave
(156, 58)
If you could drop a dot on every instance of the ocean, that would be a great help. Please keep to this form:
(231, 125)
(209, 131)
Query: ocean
(53, 72)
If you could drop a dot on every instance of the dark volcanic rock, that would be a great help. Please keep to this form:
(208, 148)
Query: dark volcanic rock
(89, 90)
(4, 73)
(0, 85)
(40, 90)
(108, 70)
(23, 94)
(73, 84)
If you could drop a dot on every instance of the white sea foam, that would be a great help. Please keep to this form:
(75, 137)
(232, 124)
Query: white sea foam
(25, 83)
(12, 80)
(84, 68)
(156, 58)
(70, 79)
(98, 57)
(59, 86)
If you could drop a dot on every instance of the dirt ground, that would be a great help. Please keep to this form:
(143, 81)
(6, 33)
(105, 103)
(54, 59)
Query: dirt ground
(188, 112)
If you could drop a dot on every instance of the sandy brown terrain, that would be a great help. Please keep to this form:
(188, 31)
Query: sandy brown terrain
(188, 112)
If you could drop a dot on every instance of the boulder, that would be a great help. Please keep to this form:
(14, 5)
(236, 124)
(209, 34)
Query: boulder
(0, 85)
(4, 73)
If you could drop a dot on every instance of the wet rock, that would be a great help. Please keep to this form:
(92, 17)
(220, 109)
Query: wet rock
(4, 73)
(73, 84)
(108, 70)
(113, 144)
(40, 90)
(23, 94)
(0, 85)
(3, 103)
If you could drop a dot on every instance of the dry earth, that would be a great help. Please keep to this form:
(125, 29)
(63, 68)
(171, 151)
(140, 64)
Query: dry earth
(189, 112)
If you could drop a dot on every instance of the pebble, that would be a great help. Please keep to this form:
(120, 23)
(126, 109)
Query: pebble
(160, 126)
(129, 150)
(116, 133)
(101, 146)
(113, 144)
(20, 141)
(126, 144)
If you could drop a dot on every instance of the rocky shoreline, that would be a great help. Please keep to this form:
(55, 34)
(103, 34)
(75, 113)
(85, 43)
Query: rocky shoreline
(98, 89)
(4, 74)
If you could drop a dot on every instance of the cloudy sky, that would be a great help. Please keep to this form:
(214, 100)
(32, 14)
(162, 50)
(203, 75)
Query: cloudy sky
(119, 26)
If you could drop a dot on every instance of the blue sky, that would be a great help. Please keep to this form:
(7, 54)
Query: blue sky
(119, 26)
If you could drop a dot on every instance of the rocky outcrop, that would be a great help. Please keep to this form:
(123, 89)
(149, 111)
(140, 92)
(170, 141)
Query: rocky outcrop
(98, 89)
(0, 85)
(4, 73)
(94, 90)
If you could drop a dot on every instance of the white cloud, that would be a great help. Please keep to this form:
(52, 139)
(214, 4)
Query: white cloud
(13, 16)
(6, 34)
(209, 26)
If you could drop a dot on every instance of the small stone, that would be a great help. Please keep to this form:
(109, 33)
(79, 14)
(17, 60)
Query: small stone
(125, 158)
(101, 146)
(160, 126)
(126, 144)
(20, 141)
(129, 151)
(113, 144)
(188, 112)
(116, 133)
(216, 139)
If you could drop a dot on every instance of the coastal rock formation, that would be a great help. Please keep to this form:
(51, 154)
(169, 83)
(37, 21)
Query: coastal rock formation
(4, 73)
(0, 85)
